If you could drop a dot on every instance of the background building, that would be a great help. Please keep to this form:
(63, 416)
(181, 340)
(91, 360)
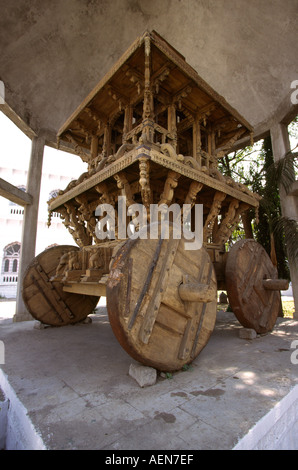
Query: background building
(57, 173)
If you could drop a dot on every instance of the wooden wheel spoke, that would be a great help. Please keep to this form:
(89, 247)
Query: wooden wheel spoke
(45, 299)
(52, 293)
(192, 331)
(146, 284)
(157, 291)
(201, 318)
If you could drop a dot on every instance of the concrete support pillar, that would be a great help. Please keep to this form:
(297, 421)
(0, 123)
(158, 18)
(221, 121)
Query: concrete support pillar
(30, 221)
(289, 204)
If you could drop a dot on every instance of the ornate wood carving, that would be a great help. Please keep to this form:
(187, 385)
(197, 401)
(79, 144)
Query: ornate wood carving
(170, 184)
(231, 219)
(144, 181)
(213, 214)
(86, 210)
(194, 188)
(125, 188)
(74, 224)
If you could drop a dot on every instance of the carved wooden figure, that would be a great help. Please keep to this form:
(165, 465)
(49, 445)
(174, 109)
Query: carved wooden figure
(152, 131)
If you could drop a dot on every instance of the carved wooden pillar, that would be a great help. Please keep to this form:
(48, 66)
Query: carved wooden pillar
(93, 153)
(213, 144)
(196, 133)
(94, 147)
(144, 180)
(172, 125)
(127, 125)
(209, 143)
(148, 123)
(107, 141)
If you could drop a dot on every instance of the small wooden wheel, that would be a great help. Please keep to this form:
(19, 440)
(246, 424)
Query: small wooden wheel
(45, 299)
(161, 301)
(252, 286)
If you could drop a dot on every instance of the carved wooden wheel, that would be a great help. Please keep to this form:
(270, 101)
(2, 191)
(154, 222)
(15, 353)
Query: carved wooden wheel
(252, 286)
(45, 299)
(161, 301)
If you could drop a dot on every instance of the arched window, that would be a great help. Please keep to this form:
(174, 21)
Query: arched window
(6, 266)
(13, 249)
(10, 262)
(15, 266)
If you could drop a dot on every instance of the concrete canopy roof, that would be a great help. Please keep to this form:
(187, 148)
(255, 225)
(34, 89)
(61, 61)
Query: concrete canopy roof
(54, 53)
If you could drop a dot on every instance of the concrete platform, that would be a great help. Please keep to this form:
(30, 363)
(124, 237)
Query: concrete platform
(72, 386)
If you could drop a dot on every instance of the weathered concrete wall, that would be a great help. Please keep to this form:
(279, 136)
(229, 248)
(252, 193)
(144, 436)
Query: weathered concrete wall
(278, 430)
(52, 56)
(20, 432)
(4, 403)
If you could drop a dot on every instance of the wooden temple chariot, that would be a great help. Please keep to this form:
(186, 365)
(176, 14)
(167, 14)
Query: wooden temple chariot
(153, 131)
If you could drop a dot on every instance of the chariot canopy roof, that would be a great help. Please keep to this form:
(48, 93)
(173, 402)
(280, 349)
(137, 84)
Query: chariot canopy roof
(172, 82)
(152, 105)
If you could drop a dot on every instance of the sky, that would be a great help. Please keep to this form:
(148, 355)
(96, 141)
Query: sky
(15, 149)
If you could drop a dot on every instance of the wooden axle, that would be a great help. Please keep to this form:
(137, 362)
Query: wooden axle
(196, 292)
(188, 291)
(275, 284)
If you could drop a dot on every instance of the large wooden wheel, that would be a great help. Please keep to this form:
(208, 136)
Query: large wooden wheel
(45, 299)
(161, 301)
(253, 286)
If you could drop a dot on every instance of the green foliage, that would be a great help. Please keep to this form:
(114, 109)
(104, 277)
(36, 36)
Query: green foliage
(270, 211)
(284, 171)
(242, 164)
(293, 130)
(254, 166)
(287, 229)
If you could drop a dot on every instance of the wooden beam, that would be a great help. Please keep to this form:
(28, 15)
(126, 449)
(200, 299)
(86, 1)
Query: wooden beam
(14, 194)
(87, 288)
